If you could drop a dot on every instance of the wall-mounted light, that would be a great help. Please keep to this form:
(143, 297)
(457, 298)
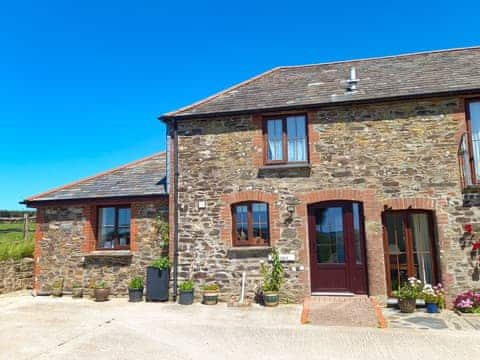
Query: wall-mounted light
(290, 210)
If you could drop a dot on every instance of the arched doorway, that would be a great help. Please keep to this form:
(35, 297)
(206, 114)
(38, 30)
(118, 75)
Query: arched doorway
(337, 247)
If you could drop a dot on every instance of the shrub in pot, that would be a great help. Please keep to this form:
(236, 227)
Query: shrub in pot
(408, 294)
(434, 297)
(158, 277)
(210, 294)
(468, 302)
(272, 279)
(101, 291)
(185, 290)
(57, 288)
(135, 289)
(77, 291)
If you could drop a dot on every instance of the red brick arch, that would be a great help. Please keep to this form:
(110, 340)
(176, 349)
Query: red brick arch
(410, 203)
(251, 195)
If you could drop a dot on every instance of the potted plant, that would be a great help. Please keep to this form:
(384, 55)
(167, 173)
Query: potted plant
(158, 277)
(467, 302)
(434, 297)
(185, 290)
(57, 288)
(77, 290)
(408, 294)
(210, 294)
(135, 289)
(272, 279)
(101, 291)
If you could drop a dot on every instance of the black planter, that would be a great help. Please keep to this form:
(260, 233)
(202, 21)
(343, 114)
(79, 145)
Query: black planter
(135, 295)
(186, 297)
(157, 284)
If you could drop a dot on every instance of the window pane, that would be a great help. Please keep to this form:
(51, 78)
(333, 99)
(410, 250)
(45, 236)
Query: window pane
(330, 237)
(274, 136)
(474, 109)
(124, 236)
(107, 216)
(106, 237)
(422, 247)
(260, 221)
(124, 217)
(297, 140)
(357, 233)
(242, 222)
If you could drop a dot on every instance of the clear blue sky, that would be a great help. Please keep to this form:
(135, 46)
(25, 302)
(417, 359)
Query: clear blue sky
(82, 82)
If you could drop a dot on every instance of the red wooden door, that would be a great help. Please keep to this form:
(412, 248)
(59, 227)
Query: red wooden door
(337, 247)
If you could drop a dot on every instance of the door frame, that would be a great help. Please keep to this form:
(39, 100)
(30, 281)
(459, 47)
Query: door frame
(408, 235)
(350, 260)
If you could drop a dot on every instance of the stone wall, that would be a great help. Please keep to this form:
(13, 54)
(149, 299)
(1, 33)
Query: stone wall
(397, 155)
(63, 246)
(16, 275)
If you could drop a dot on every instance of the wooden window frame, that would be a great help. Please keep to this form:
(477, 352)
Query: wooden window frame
(116, 245)
(251, 240)
(408, 236)
(283, 117)
(470, 140)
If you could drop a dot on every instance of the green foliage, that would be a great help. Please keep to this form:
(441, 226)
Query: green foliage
(163, 230)
(186, 285)
(58, 284)
(272, 275)
(211, 287)
(76, 285)
(163, 262)
(136, 282)
(16, 250)
(13, 231)
(411, 289)
(100, 284)
(471, 189)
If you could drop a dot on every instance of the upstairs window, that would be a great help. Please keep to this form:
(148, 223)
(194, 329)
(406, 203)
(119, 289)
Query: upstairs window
(473, 119)
(286, 139)
(250, 224)
(113, 227)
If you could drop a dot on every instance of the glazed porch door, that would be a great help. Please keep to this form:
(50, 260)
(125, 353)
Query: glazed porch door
(337, 247)
(409, 247)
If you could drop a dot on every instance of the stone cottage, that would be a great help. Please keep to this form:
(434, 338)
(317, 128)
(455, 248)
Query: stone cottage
(362, 173)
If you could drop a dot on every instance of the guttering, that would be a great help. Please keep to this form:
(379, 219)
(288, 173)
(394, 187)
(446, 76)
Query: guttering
(328, 104)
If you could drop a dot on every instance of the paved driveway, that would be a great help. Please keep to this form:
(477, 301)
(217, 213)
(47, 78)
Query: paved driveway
(47, 328)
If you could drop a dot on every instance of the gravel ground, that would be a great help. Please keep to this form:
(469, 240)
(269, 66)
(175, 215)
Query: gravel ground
(48, 328)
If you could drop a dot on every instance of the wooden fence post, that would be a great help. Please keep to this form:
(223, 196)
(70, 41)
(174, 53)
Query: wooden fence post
(25, 227)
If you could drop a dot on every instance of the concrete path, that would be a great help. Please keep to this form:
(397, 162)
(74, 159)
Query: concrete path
(48, 328)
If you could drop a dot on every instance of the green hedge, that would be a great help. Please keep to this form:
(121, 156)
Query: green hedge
(16, 250)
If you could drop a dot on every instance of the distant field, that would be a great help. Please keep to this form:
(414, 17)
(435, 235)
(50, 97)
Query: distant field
(12, 245)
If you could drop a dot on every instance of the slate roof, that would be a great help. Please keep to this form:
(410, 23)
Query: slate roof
(139, 178)
(426, 73)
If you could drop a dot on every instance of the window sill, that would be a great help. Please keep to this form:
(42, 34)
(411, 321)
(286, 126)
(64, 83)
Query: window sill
(285, 170)
(109, 253)
(245, 252)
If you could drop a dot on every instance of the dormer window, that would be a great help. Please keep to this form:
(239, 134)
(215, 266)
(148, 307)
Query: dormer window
(286, 139)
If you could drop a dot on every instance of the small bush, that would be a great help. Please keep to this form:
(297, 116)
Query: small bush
(16, 250)
(101, 284)
(58, 284)
(186, 285)
(211, 287)
(76, 285)
(163, 262)
(136, 282)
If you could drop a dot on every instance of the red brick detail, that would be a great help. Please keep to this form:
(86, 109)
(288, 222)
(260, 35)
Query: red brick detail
(382, 321)
(258, 142)
(305, 310)
(89, 226)
(133, 226)
(253, 195)
(40, 221)
(410, 203)
(313, 138)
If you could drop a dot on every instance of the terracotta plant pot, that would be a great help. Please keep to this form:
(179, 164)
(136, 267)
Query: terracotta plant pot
(57, 292)
(210, 297)
(270, 298)
(101, 294)
(407, 305)
(77, 293)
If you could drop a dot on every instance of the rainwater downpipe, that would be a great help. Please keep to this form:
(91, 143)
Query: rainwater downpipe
(175, 205)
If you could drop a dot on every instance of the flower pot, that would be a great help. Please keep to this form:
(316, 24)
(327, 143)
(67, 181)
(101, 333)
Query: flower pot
(432, 308)
(135, 295)
(407, 305)
(210, 297)
(77, 293)
(270, 298)
(57, 292)
(101, 294)
(157, 284)
(186, 297)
